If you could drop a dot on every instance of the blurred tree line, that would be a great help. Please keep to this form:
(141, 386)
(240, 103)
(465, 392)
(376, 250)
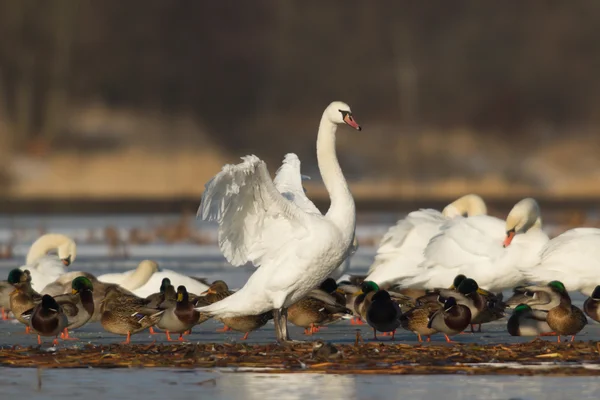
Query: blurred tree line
(262, 71)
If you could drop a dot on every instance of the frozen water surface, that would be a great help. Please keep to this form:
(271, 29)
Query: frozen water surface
(206, 261)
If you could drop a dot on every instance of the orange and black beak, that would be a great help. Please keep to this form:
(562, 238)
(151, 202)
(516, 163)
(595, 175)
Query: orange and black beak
(209, 291)
(510, 235)
(66, 261)
(349, 119)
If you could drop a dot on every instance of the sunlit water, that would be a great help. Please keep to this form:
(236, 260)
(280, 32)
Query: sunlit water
(150, 384)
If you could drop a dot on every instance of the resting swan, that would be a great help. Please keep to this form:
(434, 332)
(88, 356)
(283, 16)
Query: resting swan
(147, 278)
(45, 268)
(295, 249)
(401, 249)
(490, 251)
(572, 258)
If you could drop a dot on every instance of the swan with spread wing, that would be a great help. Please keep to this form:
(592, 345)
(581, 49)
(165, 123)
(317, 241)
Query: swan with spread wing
(282, 233)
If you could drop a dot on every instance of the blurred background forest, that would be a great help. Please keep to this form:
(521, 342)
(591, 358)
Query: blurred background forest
(148, 99)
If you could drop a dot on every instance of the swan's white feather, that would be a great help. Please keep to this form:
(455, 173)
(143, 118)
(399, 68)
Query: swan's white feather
(572, 258)
(473, 247)
(260, 225)
(401, 248)
(288, 181)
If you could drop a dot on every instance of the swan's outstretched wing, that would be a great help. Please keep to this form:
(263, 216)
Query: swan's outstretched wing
(288, 181)
(256, 223)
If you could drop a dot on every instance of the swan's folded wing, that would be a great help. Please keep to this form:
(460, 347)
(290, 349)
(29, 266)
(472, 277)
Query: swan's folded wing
(466, 241)
(288, 181)
(572, 257)
(256, 222)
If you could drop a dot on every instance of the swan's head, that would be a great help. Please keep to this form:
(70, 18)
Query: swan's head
(339, 112)
(469, 206)
(149, 267)
(67, 251)
(524, 215)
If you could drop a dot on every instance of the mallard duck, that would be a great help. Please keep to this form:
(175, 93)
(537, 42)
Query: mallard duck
(166, 293)
(591, 306)
(525, 321)
(127, 314)
(48, 319)
(246, 323)
(23, 298)
(383, 314)
(450, 320)
(78, 306)
(564, 319)
(362, 301)
(416, 319)
(6, 288)
(180, 317)
(311, 312)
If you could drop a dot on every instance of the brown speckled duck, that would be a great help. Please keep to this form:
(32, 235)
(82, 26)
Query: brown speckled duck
(591, 306)
(23, 298)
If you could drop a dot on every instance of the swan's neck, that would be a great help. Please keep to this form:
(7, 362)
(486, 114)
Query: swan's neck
(342, 209)
(137, 279)
(42, 246)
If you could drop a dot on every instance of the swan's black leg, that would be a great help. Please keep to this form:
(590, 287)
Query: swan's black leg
(280, 320)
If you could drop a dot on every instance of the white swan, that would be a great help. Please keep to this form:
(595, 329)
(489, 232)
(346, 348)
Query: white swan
(485, 248)
(288, 181)
(401, 249)
(147, 278)
(295, 249)
(46, 268)
(572, 258)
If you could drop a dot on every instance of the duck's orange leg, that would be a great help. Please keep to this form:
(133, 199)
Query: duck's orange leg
(245, 336)
(572, 338)
(448, 339)
(152, 331)
(39, 339)
(558, 338)
(181, 337)
(27, 329)
(428, 339)
(168, 336)
(128, 340)
(65, 335)
(55, 342)
(224, 329)
(419, 338)
(4, 314)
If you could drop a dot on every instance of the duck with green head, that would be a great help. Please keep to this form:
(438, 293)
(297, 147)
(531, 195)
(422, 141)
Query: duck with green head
(166, 296)
(23, 298)
(180, 317)
(363, 299)
(78, 305)
(127, 314)
(48, 319)
(526, 321)
(383, 314)
(565, 318)
(451, 319)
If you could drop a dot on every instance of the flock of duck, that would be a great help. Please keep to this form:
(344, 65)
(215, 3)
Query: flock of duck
(434, 272)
